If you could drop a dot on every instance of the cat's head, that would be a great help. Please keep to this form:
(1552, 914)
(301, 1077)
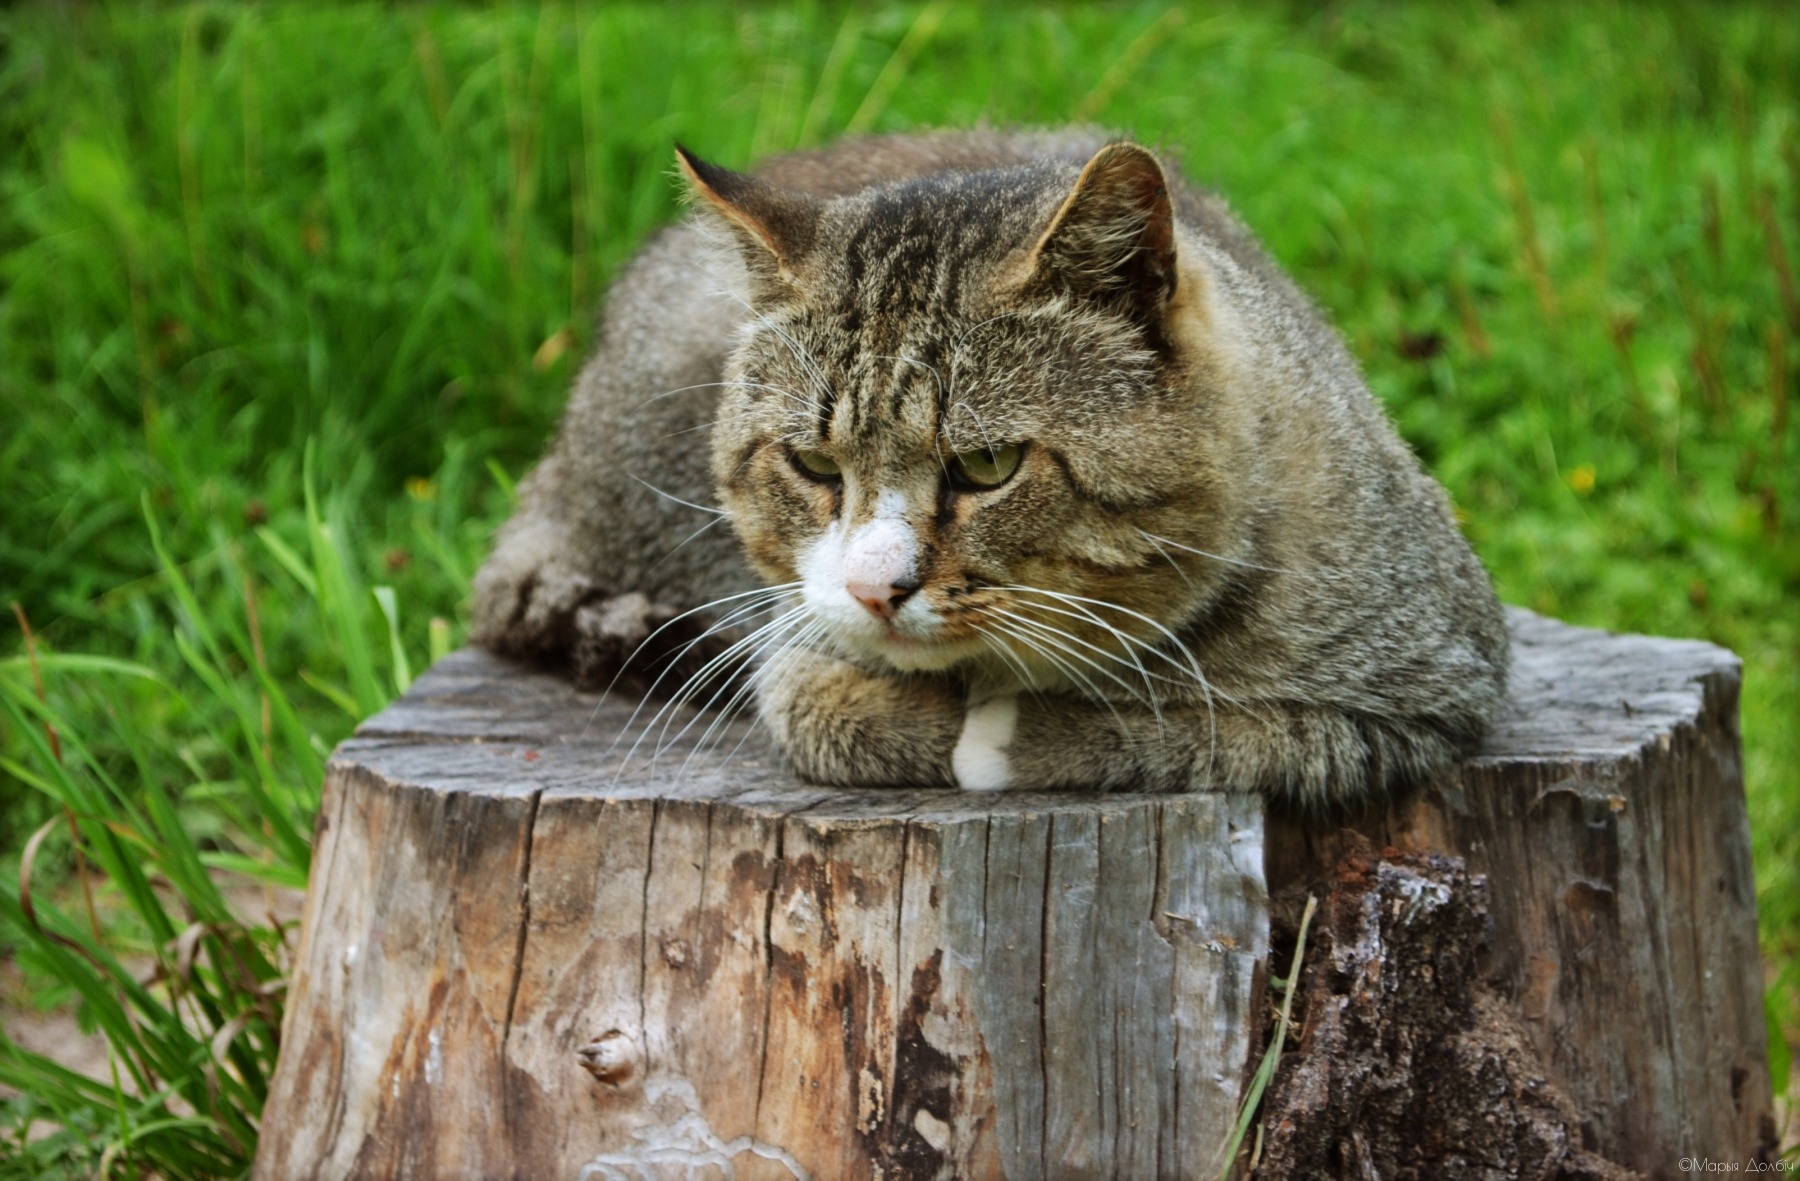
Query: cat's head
(969, 414)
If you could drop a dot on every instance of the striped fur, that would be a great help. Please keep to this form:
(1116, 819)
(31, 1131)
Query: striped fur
(1215, 565)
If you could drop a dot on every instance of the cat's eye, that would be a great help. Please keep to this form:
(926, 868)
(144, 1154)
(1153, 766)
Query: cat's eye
(816, 464)
(983, 467)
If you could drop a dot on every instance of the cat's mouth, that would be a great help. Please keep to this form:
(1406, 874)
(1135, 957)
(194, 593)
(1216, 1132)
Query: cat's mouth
(905, 648)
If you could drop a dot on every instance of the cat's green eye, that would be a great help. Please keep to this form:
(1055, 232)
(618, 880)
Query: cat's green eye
(817, 464)
(984, 468)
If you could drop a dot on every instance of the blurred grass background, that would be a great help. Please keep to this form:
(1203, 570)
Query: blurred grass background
(242, 245)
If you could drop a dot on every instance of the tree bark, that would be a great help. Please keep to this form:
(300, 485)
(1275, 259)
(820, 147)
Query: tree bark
(1411, 1067)
(528, 953)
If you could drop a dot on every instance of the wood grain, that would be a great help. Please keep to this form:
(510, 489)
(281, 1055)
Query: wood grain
(530, 953)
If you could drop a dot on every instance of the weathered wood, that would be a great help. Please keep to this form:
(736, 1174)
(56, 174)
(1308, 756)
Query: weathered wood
(526, 954)
(1607, 814)
(1409, 1066)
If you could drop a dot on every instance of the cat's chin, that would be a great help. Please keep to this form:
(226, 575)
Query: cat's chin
(909, 657)
(908, 654)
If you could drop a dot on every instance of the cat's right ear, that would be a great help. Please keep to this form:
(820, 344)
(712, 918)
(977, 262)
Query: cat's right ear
(774, 227)
(1113, 239)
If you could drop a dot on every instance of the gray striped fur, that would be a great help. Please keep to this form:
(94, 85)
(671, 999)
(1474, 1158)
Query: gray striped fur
(1259, 586)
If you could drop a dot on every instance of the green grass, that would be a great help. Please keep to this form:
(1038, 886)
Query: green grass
(1559, 237)
(185, 987)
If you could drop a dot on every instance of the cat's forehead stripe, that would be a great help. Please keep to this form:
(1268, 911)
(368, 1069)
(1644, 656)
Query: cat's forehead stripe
(902, 257)
(827, 407)
(905, 248)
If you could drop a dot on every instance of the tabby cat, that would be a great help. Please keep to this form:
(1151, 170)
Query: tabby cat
(1051, 479)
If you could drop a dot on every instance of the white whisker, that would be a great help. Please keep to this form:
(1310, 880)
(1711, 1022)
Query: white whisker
(1147, 698)
(687, 539)
(1128, 661)
(1192, 667)
(708, 673)
(711, 385)
(767, 322)
(761, 598)
(987, 440)
(1176, 566)
(1218, 557)
(718, 660)
(741, 697)
(1074, 674)
(1027, 678)
(665, 712)
(808, 364)
(687, 503)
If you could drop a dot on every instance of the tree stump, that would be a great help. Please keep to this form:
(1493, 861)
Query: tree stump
(525, 954)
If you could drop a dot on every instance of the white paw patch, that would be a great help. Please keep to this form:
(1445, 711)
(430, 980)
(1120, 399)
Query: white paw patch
(980, 756)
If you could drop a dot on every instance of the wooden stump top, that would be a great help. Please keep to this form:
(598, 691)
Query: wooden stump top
(1579, 697)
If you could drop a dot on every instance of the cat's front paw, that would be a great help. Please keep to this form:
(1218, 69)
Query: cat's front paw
(980, 758)
(847, 726)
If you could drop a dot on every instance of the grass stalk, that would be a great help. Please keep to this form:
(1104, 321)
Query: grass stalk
(1531, 246)
(831, 77)
(1778, 261)
(1703, 351)
(1271, 1059)
(1467, 313)
(1779, 384)
(1712, 221)
(918, 36)
(1155, 34)
(194, 1039)
(1596, 201)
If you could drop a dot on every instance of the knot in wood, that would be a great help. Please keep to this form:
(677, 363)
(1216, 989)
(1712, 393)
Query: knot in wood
(612, 1058)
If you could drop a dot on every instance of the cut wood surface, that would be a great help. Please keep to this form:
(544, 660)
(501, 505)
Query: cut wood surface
(529, 952)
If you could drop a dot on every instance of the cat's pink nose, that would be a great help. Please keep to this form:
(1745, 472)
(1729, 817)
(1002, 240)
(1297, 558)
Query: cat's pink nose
(882, 599)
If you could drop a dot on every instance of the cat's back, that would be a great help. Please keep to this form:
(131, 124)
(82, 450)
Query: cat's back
(852, 165)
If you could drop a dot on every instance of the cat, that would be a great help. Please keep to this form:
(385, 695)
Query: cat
(1048, 476)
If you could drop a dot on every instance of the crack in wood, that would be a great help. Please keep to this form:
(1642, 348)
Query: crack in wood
(1159, 911)
(644, 933)
(776, 873)
(893, 1093)
(512, 996)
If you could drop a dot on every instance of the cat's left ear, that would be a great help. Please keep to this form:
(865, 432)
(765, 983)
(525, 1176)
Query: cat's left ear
(774, 227)
(1113, 239)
